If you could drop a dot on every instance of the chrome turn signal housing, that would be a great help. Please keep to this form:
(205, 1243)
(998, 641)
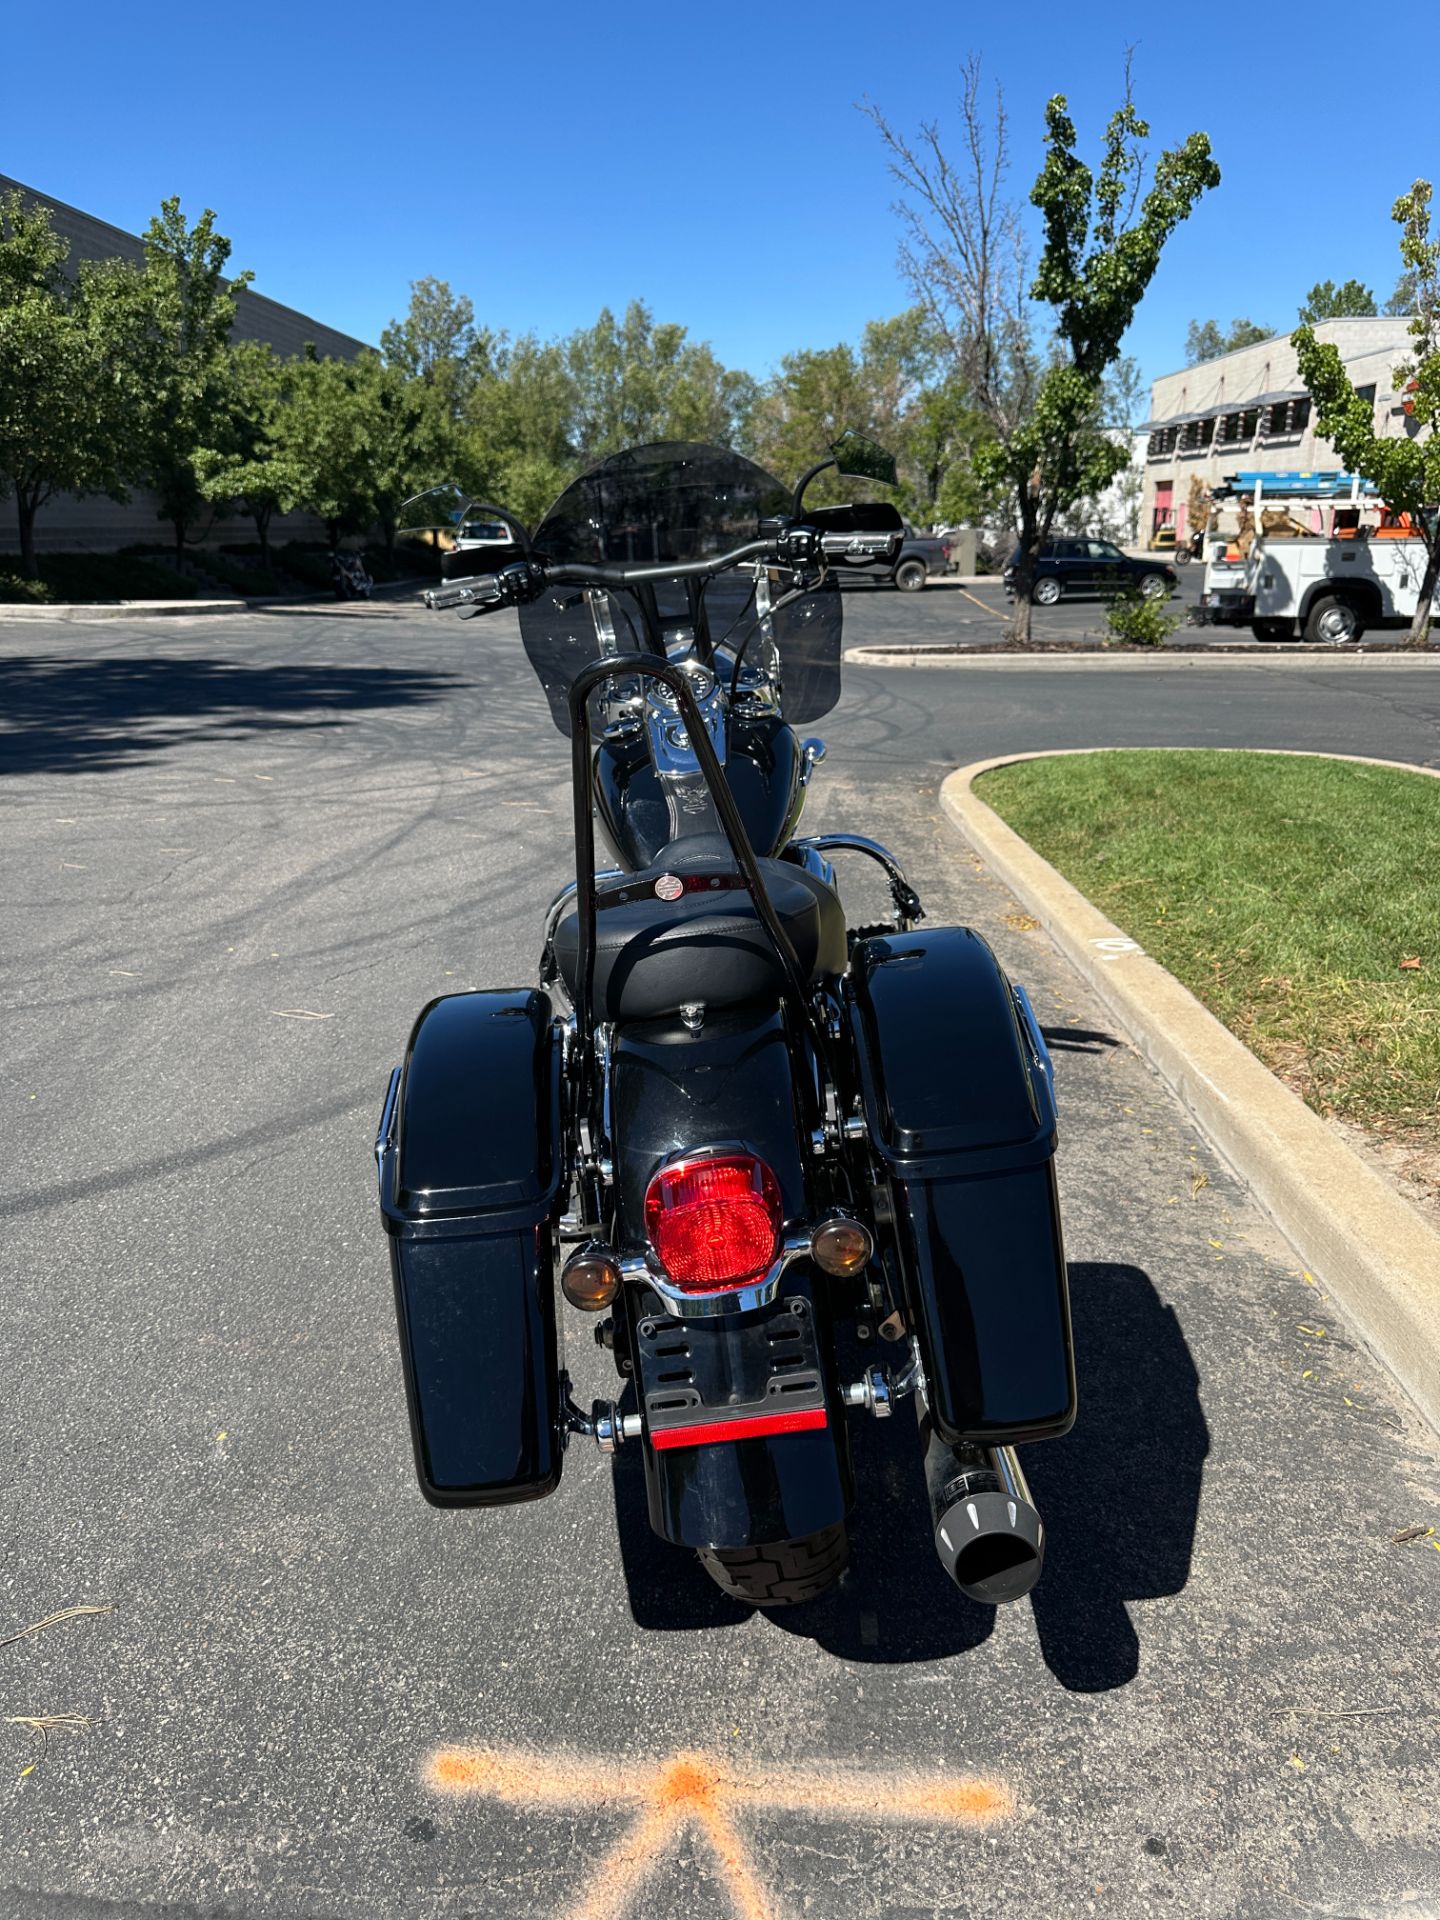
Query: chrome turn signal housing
(841, 1246)
(590, 1279)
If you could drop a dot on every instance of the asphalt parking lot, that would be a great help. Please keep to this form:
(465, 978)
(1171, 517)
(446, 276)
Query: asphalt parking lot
(975, 613)
(242, 852)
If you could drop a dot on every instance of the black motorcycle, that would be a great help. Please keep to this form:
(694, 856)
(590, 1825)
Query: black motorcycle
(766, 1145)
(349, 577)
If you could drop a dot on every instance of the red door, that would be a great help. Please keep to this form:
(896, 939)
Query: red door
(1164, 502)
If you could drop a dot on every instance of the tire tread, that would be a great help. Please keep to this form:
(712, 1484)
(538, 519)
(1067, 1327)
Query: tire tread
(782, 1573)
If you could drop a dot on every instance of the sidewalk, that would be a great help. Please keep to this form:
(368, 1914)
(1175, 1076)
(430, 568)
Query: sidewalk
(159, 609)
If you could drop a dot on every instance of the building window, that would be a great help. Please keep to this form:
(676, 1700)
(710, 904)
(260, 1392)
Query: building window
(1162, 443)
(1286, 419)
(1367, 394)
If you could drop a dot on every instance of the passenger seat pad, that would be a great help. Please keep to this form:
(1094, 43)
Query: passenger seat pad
(686, 930)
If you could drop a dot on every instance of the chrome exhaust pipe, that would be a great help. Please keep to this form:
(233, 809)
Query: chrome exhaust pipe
(989, 1537)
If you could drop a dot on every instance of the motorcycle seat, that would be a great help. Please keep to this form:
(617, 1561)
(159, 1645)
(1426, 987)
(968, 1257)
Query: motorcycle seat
(686, 930)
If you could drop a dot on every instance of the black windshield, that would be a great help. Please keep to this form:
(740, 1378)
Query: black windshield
(681, 502)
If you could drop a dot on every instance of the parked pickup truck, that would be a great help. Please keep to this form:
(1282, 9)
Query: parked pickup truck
(861, 550)
(1334, 588)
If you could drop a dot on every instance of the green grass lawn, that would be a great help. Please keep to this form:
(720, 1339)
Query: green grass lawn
(1285, 892)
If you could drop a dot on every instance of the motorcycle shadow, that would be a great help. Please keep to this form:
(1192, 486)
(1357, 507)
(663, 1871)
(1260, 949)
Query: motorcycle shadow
(1119, 1496)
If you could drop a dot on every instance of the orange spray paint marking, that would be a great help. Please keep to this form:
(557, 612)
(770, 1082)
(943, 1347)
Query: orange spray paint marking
(703, 1792)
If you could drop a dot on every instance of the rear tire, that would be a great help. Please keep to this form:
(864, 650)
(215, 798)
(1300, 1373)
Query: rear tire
(782, 1573)
(1333, 621)
(1154, 586)
(910, 576)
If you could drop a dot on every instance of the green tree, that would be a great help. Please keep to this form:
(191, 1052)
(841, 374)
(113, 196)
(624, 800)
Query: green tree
(437, 342)
(183, 311)
(1326, 301)
(817, 393)
(637, 380)
(1206, 340)
(1404, 467)
(66, 386)
(253, 466)
(935, 454)
(1401, 303)
(323, 437)
(814, 395)
(537, 410)
(1104, 232)
(516, 446)
(409, 437)
(355, 438)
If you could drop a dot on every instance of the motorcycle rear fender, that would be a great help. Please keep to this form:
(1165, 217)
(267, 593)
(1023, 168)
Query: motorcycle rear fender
(960, 1109)
(734, 1080)
(471, 1167)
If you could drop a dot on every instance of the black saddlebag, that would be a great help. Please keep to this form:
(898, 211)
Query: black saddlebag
(959, 1105)
(470, 1167)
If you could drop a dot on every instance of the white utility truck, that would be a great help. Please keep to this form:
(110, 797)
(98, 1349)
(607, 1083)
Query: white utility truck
(1276, 571)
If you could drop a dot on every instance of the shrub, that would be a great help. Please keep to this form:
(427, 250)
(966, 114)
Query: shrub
(234, 573)
(14, 587)
(93, 576)
(310, 565)
(1137, 622)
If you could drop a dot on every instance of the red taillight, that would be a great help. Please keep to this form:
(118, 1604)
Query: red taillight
(714, 1222)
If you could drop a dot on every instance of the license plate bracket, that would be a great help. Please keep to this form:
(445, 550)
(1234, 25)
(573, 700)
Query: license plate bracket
(719, 1379)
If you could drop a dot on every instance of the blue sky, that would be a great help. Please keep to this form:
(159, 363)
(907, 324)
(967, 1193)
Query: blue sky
(552, 160)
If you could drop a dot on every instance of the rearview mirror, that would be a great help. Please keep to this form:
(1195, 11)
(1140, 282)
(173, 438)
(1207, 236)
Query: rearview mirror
(469, 522)
(438, 509)
(855, 453)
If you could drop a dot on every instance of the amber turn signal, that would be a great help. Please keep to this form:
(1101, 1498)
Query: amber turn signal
(841, 1247)
(590, 1279)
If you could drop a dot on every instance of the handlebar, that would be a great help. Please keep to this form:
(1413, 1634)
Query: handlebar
(483, 590)
(581, 573)
(525, 580)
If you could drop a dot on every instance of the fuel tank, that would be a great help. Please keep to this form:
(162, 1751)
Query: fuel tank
(640, 813)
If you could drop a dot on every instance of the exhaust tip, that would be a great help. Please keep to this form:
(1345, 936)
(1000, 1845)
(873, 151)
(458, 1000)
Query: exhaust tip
(992, 1547)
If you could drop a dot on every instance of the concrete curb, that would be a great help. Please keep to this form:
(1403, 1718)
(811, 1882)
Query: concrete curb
(999, 658)
(119, 610)
(1378, 1257)
(160, 609)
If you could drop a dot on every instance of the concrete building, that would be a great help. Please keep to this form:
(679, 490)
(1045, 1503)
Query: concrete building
(1115, 513)
(97, 524)
(1248, 412)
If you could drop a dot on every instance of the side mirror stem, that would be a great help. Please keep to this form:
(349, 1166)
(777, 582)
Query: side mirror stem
(803, 482)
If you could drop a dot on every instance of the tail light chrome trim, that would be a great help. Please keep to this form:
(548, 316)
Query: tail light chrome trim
(704, 1306)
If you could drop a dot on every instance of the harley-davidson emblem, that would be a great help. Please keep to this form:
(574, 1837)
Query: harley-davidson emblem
(669, 886)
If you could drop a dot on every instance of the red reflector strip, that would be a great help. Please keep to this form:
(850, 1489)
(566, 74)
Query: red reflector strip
(705, 1433)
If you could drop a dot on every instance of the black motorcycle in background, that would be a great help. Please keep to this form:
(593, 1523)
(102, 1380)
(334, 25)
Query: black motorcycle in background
(349, 577)
(745, 1135)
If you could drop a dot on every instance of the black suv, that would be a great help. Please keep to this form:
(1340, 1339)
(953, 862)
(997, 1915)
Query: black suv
(1073, 566)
